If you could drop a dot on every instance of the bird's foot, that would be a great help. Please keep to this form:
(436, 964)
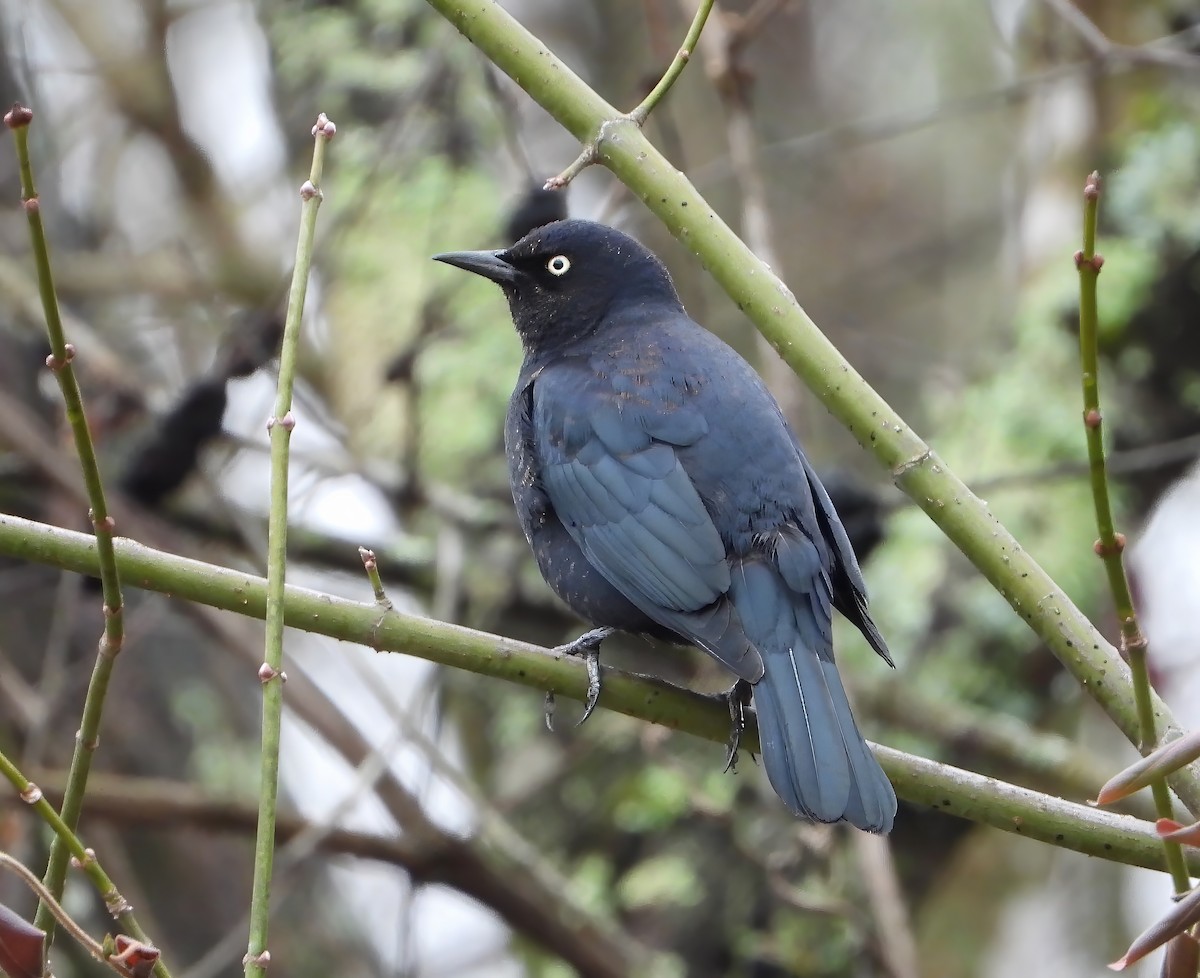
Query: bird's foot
(587, 646)
(737, 699)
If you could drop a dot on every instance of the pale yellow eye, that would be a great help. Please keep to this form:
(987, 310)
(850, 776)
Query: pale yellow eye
(558, 265)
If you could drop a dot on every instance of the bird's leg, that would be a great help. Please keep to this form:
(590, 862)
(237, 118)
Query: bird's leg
(588, 647)
(737, 699)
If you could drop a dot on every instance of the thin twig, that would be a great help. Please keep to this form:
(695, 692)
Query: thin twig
(45, 898)
(59, 362)
(1111, 544)
(638, 115)
(85, 858)
(371, 566)
(271, 674)
(1078, 21)
(675, 69)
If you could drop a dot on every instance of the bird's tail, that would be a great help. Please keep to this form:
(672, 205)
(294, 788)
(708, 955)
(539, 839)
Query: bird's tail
(816, 759)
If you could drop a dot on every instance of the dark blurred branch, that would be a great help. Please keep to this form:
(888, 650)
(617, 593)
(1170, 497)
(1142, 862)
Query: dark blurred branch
(1104, 49)
(723, 43)
(949, 789)
(896, 944)
(916, 469)
(1154, 55)
(1128, 461)
(174, 806)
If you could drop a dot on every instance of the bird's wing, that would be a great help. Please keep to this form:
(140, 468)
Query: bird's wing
(849, 588)
(608, 464)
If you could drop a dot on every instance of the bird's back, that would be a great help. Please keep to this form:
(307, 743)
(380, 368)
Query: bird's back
(747, 466)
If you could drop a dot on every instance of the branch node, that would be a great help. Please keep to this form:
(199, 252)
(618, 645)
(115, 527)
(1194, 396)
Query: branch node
(308, 190)
(371, 566)
(1107, 548)
(115, 904)
(586, 158)
(56, 364)
(1092, 418)
(89, 857)
(31, 205)
(136, 957)
(1091, 188)
(324, 127)
(31, 794)
(262, 960)
(1135, 643)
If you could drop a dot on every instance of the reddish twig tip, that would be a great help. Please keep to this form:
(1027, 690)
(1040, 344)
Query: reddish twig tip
(324, 127)
(1091, 189)
(18, 117)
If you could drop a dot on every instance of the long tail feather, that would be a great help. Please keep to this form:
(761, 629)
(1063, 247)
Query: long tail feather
(817, 761)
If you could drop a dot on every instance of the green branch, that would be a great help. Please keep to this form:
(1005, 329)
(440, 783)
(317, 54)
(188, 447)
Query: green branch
(916, 469)
(87, 738)
(1111, 544)
(972, 796)
(271, 674)
(642, 112)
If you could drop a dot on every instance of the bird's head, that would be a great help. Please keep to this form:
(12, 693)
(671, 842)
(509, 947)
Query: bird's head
(562, 279)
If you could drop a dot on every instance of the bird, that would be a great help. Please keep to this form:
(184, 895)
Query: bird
(663, 493)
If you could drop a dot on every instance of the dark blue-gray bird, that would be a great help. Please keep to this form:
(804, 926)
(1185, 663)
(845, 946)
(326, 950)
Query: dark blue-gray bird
(664, 493)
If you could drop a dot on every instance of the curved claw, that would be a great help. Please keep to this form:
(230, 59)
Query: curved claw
(591, 659)
(587, 646)
(737, 698)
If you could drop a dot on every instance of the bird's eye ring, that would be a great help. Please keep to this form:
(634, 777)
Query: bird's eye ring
(558, 265)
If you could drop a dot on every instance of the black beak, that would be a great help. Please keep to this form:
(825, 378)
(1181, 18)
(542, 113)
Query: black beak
(489, 264)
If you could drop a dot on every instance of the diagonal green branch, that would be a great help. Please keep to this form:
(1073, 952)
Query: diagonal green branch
(972, 796)
(916, 469)
(62, 353)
